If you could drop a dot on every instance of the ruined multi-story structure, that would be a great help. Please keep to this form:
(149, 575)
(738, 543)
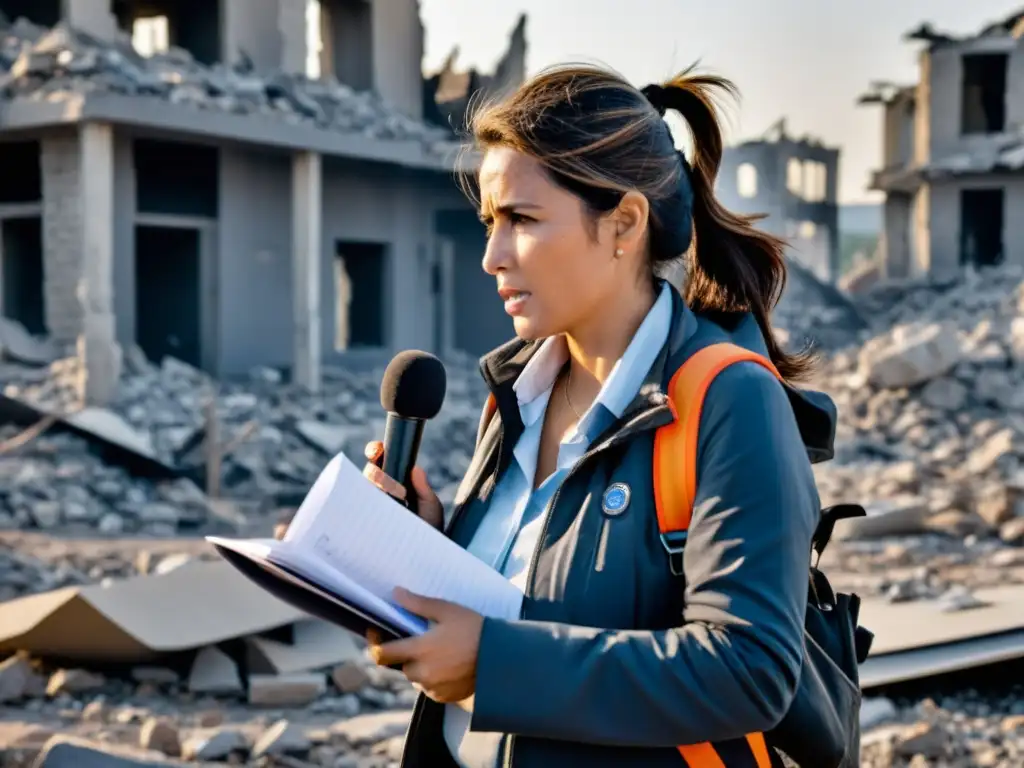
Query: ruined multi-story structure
(793, 182)
(953, 153)
(230, 182)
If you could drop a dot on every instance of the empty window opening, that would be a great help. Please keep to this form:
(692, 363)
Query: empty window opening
(21, 180)
(346, 41)
(156, 25)
(815, 181)
(360, 273)
(983, 96)
(151, 35)
(981, 226)
(45, 13)
(176, 178)
(795, 176)
(168, 309)
(746, 180)
(21, 252)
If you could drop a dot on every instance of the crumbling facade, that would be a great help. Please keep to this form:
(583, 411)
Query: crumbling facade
(793, 183)
(953, 154)
(215, 181)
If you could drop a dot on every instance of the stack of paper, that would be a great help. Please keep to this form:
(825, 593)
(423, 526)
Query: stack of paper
(350, 545)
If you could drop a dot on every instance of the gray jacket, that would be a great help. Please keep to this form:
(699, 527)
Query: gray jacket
(614, 660)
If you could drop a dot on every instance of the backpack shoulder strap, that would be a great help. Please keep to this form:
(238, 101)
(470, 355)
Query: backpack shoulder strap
(675, 444)
(675, 487)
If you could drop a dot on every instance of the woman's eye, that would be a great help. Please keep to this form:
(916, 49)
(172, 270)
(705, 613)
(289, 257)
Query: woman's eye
(517, 218)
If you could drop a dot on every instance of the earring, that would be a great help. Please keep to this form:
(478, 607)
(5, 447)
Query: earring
(618, 251)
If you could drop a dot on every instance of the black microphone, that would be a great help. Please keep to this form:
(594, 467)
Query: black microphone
(412, 391)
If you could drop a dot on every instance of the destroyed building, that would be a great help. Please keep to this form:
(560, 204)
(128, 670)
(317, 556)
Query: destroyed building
(794, 183)
(953, 153)
(450, 92)
(231, 183)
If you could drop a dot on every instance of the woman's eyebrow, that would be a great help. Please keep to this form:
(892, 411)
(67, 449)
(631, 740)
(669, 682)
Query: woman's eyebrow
(507, 208)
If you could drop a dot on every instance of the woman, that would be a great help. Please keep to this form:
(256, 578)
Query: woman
(615, 660)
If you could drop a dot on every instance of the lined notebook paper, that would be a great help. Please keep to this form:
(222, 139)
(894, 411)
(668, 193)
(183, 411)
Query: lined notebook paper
(355, 543)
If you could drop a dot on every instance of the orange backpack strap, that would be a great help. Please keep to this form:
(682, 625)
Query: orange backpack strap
(675, 444)
(675, 488)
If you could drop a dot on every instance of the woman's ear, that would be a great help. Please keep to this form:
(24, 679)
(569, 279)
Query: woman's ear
(630, 219)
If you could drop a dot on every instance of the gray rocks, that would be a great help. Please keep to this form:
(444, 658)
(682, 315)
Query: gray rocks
(965, 731)
(929, 438)
(910, 355)
(274, 441)
(49, 65)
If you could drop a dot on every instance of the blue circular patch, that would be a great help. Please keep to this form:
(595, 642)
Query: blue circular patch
(616, 499)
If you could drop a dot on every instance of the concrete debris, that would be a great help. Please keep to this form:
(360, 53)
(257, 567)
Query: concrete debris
(275, 440)
(931, 439)
(1003, 155)
(965, 730)
(811, 310)
(47, 64)
(118, 722)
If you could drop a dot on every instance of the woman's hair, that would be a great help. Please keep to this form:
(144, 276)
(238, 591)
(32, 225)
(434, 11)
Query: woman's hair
(599, 137)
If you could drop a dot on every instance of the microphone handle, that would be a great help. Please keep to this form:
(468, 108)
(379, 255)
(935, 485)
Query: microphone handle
(402, 437)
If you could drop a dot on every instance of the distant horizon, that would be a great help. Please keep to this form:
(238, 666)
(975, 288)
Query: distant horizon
(782, 57)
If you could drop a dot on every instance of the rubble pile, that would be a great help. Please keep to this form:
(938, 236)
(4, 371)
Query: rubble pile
(960, 731)
(931, 435)
(274, 439)
(351, 714)
(810, 310)
(47, 64)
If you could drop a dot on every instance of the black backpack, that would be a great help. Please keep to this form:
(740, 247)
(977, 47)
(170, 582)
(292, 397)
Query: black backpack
(822, 727)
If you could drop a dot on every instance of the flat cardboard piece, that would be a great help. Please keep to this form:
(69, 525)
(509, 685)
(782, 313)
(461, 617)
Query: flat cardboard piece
(915, 624)
(917, 639)
(315, 644)
(136, 619)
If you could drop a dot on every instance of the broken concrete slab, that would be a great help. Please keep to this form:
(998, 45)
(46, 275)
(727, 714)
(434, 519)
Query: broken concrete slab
(332, 439)
(70, 752)
(292, 690)
(314, 644)
(118, 440)
(372, 727)
(214, 672)
(18, 345)
(141, 618)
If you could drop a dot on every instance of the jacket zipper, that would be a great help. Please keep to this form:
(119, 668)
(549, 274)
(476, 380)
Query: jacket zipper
(607, 444)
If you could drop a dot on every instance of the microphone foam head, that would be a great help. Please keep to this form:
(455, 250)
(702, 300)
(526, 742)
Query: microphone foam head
(413, 385)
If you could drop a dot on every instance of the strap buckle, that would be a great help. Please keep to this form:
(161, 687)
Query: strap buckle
(674, 543)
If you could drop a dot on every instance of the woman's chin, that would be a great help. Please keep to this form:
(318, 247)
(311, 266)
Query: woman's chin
(527, 328)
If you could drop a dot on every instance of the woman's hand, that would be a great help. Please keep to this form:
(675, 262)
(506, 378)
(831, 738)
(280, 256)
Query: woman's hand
(441, 661)
(428, 506)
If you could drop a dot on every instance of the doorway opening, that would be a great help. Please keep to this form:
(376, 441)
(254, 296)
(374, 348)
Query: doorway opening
(22, 277)
(168, 293)
(360, 277)
(981, 227)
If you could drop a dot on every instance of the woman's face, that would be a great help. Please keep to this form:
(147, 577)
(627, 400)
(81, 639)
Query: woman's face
(555, 267)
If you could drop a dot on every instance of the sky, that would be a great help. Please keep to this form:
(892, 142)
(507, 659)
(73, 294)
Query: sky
(805, 60)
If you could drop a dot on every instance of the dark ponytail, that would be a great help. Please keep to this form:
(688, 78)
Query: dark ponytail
(733, 266)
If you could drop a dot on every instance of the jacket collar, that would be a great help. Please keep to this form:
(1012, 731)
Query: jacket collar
(503, 366)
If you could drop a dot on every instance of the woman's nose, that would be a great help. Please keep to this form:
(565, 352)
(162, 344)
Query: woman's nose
(498, 254)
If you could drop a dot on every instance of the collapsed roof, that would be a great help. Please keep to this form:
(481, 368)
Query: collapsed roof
(52, 65)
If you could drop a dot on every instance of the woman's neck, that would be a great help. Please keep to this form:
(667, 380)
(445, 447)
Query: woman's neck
(597, 344)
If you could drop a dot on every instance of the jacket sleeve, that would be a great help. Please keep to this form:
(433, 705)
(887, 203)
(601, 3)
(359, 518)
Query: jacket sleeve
(731, 668)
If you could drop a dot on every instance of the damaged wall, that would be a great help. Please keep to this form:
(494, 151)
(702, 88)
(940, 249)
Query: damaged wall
(794, 184)
(953, 197)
